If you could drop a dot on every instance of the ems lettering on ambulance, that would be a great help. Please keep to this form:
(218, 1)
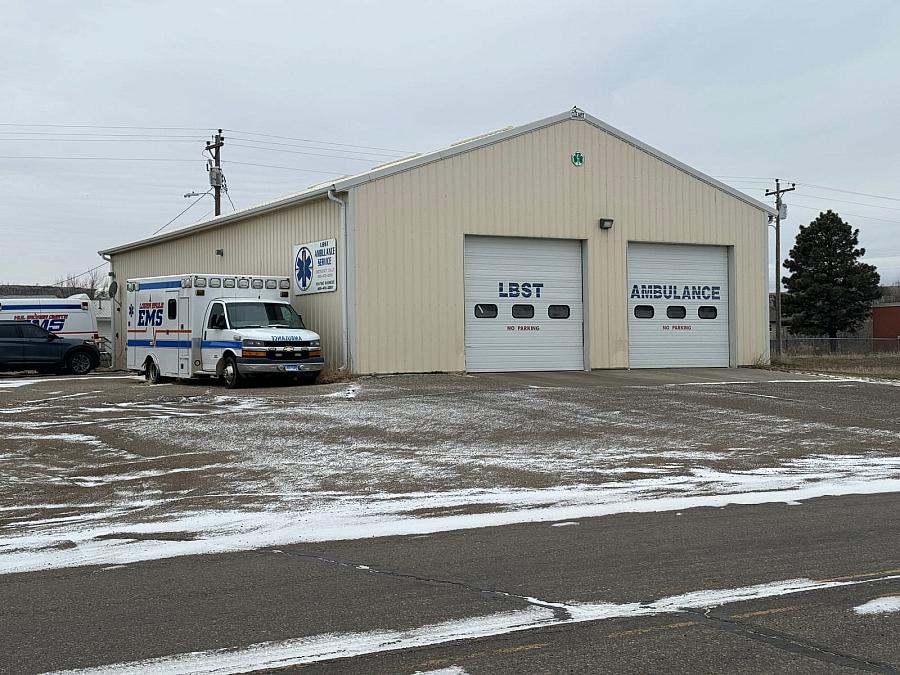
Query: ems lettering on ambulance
(150, 314)
(52, 322)
(675, 292)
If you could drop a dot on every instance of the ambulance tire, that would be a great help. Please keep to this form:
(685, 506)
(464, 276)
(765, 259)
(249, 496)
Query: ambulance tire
(151, 372)
(231, 376)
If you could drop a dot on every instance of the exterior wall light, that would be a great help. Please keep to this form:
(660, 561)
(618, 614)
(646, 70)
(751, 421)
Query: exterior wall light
(605, 223)
(220, 252)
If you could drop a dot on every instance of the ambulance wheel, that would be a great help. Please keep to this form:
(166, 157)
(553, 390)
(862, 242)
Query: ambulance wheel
(230, 374)
(151, 373)
(79, 363)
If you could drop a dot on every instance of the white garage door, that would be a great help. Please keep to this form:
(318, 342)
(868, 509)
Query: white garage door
(677, 306)
(523, 304)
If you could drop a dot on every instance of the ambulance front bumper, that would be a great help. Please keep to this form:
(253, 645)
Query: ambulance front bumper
(248, 366)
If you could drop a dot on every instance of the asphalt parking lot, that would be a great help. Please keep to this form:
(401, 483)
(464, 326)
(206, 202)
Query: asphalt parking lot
(644, 520)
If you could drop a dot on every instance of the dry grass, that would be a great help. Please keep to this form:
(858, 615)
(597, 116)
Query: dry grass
(865, 365)
(333, 376)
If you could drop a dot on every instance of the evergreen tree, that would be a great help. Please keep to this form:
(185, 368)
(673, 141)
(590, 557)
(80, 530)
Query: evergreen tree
(829, 290)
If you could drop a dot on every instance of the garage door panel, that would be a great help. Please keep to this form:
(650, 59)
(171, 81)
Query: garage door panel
(505, 271)
(678, 276)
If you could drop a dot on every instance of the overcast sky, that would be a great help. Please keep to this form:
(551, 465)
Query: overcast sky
(806, 91)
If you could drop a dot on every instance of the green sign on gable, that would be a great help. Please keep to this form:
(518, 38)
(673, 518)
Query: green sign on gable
(577, 158)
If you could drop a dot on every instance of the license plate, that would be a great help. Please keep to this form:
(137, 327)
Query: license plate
(292, 366)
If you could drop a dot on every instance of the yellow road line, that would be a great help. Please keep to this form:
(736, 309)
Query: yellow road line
(641, 631)
(763, 612)
(865, 575)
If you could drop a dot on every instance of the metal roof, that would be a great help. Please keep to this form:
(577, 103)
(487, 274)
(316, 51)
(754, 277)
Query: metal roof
(344, 183)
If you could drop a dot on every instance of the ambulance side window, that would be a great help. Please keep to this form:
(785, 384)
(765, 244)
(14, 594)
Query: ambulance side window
(172, 308)
(217, 316)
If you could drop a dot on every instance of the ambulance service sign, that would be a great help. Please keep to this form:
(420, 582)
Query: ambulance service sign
(315, 267)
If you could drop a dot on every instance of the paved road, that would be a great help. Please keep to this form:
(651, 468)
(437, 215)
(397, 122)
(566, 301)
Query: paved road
(90, 616)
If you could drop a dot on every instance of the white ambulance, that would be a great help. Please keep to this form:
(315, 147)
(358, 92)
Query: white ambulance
(218, 325)
(71, 317)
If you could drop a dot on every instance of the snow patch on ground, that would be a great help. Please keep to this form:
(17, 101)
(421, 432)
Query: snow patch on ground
(347, 393)
(317, 648)
(15, 383)
(348, 516)
(884, 605)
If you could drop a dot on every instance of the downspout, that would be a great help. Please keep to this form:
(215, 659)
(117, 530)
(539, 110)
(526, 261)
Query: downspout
(345, 306)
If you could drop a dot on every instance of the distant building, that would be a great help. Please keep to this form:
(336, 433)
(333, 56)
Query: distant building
(103, 312)
(37, 291)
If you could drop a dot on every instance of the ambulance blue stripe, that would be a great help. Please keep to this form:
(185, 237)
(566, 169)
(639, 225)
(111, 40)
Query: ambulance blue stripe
(206, 344)
(5, 307)
(160, 284)
(184, 344)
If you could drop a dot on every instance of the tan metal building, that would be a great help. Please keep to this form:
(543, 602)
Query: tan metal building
(560, 244)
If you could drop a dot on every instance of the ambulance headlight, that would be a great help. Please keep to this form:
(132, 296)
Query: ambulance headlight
(314, 343)
(252, 343)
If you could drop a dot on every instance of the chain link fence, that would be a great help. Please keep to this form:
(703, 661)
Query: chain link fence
(802, 346)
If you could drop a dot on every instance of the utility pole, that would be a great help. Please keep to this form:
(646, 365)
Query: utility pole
(778, 191)
(215, 169)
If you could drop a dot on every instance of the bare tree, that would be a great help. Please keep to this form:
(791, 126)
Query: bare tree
(93, 283)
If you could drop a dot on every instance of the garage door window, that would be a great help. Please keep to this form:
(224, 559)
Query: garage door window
(676, 312)
(643, 312)
(707, 312)
(523, 311)
(558, 311)
(485, 311)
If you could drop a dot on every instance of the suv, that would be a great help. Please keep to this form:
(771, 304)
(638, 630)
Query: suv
(25, 346)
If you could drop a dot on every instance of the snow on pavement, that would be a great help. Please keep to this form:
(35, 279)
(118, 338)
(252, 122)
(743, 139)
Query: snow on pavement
(86, 480)
(884, 605)
(540, 613)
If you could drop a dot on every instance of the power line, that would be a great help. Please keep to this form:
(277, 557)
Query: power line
(101, 140)
(312, 140)
(299, 152)
(845, 201)
(165, 159)
(850, 192)
(81, 274)
(313, 147)
(56, 134)
(205, 129)
(754, 178)
(105, 159)
(855, 215)
(819, 187)
(288, 168)
(190, 206)
(101, 126)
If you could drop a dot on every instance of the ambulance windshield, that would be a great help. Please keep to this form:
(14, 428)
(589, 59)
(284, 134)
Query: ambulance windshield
(263, 315)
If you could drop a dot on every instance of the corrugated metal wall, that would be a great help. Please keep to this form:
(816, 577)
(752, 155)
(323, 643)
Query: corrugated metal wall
(410, 227)
(259, 245)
